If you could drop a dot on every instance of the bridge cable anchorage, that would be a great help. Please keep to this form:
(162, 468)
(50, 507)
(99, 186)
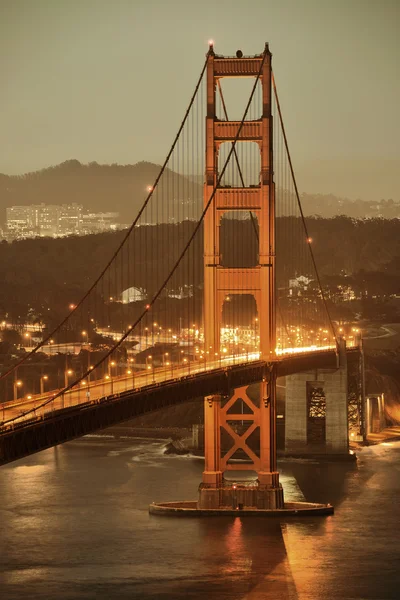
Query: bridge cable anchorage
(253, 222)
(129, 231)
(301, 208)
(181, 256)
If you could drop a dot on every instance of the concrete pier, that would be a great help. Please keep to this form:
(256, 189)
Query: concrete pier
(235, 496)
(191, 509)
(316, 420)
(375, 420)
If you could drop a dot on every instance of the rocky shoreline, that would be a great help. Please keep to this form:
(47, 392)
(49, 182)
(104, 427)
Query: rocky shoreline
(179, 439)
(158, 433)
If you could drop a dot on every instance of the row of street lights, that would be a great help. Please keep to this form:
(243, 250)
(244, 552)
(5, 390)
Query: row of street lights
(18, 383)
(111, 374)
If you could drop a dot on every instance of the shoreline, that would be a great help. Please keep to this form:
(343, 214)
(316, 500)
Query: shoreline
(389, 434)
(150, 433)
(183, 435)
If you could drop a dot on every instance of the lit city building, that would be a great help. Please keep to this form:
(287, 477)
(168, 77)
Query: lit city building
(51, 220)
(299, 285)
(98, 222)
(69, 219)
(20, 220)
(132, 294)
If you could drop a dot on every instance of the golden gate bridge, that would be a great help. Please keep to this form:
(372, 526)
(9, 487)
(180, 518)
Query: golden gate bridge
(214, 286)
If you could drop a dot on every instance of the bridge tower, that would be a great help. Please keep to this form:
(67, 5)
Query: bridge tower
(221, 412)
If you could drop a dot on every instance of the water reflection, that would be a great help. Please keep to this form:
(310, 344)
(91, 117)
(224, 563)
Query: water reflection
(250, 556)
(324, 482)
(74, 524)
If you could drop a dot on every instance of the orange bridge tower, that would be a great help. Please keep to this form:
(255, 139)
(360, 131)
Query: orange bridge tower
(245, 417)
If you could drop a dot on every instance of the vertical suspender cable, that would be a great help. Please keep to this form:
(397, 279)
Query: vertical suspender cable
(300, 207)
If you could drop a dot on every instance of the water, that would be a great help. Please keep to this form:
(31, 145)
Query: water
(74, 524)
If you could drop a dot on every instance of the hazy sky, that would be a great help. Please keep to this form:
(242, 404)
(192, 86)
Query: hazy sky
(109, 80)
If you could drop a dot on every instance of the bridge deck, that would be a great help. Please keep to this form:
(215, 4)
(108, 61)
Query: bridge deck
(74, 415)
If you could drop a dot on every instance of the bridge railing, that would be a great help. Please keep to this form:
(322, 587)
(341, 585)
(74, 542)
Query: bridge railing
(39, 406)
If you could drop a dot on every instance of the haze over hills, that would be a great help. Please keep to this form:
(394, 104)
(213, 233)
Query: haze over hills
(122, 188)
(99, 188)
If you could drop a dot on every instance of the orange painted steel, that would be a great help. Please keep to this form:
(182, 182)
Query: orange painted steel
(259, 281)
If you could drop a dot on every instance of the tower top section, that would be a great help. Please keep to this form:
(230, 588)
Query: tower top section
(239, 65)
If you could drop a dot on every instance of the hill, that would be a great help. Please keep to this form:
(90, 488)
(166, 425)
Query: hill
(99, 188)
(44, 272)
(122, 188)
(328, 205)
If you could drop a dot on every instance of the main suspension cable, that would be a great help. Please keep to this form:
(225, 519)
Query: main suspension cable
(172, 271)
(129, 231)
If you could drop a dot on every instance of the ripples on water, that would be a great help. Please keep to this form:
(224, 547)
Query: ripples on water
(74, 524)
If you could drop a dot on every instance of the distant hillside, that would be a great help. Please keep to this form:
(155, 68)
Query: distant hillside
(122, 188)
(328, 205)
(41, 273)
(99, 188)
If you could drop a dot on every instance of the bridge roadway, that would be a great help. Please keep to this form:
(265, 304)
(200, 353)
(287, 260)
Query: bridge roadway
(26, 428)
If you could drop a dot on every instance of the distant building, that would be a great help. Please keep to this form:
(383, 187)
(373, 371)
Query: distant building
(20, 220)
(185, 291)
(133, 294)
(98, 222)
(46, 219)
(299, 285)
(347, 293)
(70, 219)
(52, 220)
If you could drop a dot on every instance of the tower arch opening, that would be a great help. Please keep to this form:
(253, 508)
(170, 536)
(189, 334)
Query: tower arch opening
(239, 233)
(232, 95)
(244, 164)
(239, 325)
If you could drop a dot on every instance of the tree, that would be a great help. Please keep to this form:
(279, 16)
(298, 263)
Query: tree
(12, 336)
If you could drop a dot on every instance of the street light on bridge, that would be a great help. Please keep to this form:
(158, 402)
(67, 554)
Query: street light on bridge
(17, 384)
(43, 378)
(67, 373)
(224, 351)
(151, 366)
(131, 372)
(27, 336)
